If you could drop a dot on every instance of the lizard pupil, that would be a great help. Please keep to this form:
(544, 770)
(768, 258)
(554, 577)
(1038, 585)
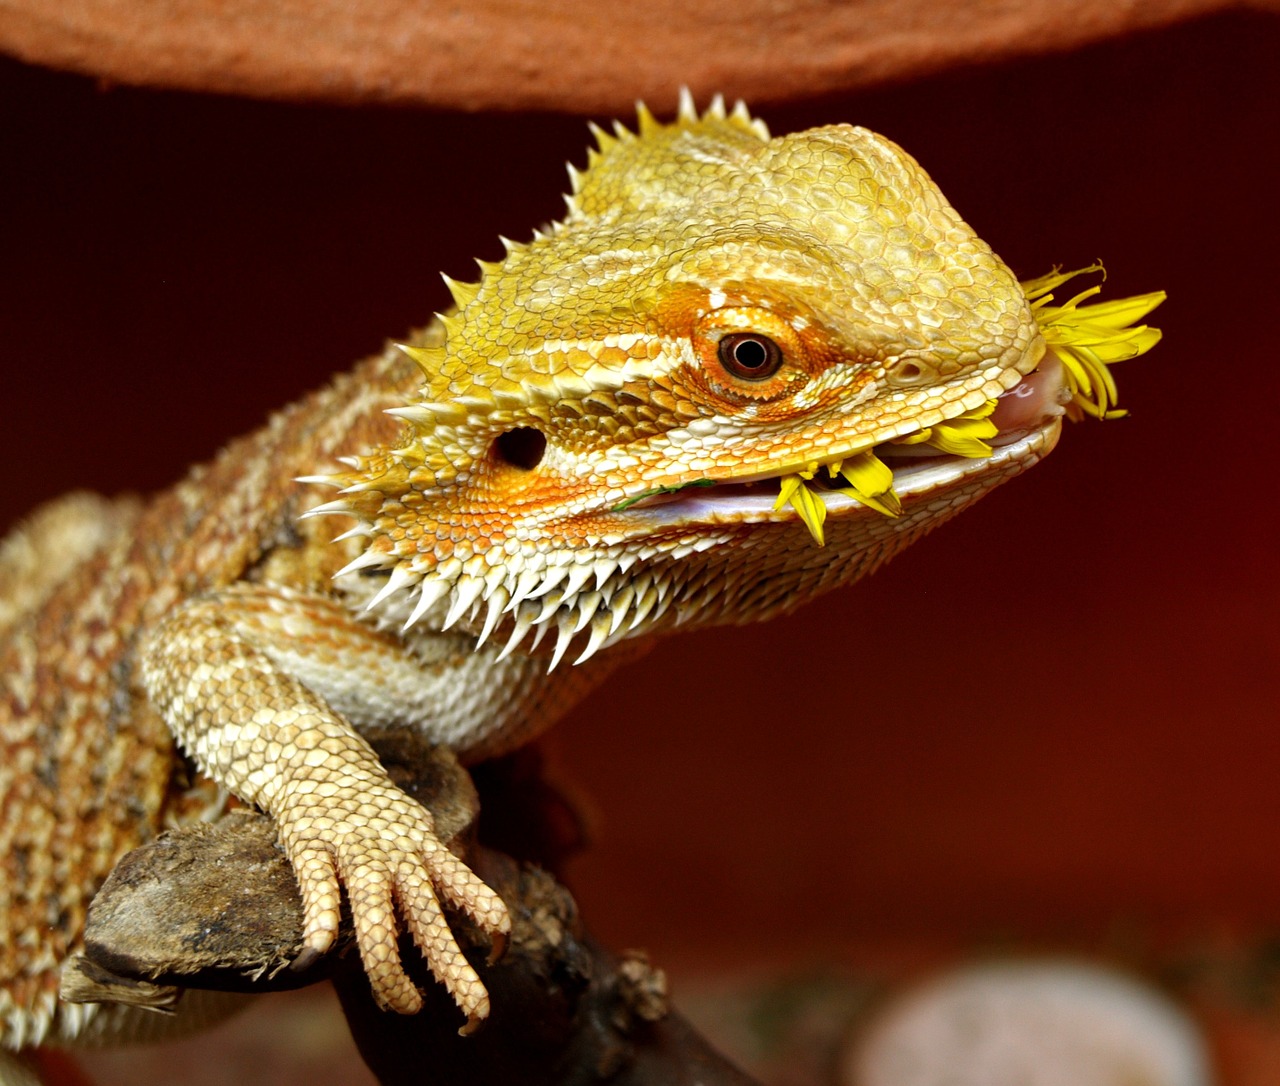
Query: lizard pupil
(750, 356)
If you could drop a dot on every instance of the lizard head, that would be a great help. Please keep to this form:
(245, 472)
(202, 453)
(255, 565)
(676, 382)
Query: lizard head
(645, 415)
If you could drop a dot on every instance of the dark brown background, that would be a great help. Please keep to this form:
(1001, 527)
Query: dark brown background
(1056, 714)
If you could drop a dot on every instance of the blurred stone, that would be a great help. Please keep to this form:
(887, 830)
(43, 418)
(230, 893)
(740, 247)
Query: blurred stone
(561, 55)
(1030, 1024)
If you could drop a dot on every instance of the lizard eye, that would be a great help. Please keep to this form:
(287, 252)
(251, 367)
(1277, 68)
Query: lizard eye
(749, 356)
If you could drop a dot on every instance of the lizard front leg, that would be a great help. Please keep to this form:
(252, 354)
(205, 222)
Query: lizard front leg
(220, 670)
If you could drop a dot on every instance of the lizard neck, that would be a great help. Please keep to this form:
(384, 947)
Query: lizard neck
(472, 696)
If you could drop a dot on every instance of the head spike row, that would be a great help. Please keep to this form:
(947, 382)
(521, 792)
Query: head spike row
(463, 294)
(363, 486)
(604, 141)
(548, 607)
(716, 110)
(427, 359)
(647, 122)
(496, 580)
(604, 569)
(587, 605)
(620, 607)
(579, 574)
(549, 581)
(360, 531)
(741, 115)
(408, 456)
(686, 110)
(528, 580)
(451, 322)
(645, 601)
(539, 632)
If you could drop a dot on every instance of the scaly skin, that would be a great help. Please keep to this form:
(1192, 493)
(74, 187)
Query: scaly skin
(532, 483)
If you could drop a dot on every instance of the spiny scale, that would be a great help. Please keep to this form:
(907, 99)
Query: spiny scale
(557, 599)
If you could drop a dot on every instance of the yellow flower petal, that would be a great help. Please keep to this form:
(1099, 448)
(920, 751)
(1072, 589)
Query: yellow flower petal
(810, 506)
(870, 482)
(1089, 338)
(1120, 313)
(788, 485)
(1037, 289)
(965, 435)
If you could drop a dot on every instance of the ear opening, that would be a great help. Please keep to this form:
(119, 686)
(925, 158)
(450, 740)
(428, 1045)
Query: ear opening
(521, 448)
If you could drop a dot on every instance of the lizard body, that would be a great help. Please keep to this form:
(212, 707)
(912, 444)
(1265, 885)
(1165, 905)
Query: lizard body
(587, 450)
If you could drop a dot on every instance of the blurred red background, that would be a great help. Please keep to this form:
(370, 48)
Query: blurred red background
(1056, 714)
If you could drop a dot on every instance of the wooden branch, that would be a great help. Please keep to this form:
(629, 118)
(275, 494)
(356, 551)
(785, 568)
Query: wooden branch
(217, 907)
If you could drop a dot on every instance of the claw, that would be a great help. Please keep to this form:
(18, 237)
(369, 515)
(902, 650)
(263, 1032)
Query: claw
(306, 958)
(498, 948)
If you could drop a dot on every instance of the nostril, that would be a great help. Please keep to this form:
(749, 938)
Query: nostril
(522, 447)
(911, 371)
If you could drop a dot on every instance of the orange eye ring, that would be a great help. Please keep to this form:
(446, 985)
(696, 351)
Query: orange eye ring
(749, 356)
(750, 353)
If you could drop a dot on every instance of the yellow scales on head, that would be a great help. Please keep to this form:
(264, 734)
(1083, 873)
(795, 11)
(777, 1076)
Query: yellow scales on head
(607, 412)
(1087, 339)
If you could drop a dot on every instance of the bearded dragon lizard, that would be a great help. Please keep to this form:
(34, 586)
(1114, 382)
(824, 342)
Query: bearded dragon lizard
(732, 348)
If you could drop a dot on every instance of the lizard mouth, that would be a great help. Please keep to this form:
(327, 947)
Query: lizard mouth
(1026, 419)
(1022, 426)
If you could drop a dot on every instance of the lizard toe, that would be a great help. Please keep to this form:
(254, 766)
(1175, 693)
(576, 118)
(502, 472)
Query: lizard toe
(431, 931)
(370, 891)
(321, 900)
(465, 890)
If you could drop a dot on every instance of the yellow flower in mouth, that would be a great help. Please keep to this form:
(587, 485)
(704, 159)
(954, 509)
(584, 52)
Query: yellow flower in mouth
(1091, 338)
(964, 435)
(1087, 338)
(868, 480)
(812, 509)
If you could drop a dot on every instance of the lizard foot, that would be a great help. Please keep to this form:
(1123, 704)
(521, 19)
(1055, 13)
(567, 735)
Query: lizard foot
(382, 846)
